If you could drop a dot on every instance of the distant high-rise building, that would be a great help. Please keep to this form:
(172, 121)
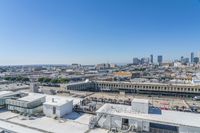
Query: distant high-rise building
(185, 60)
(136, 61)
(103, 66)
(145, 61)
(151, 59)
(196, 60)
(160, 59)
(192, 57)
(182, 58)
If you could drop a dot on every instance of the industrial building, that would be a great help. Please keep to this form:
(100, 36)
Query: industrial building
(57, 107)
(30, 104)
(14, 87)
(160, 59)
(4, 95)
(81, 86)
(141, 117)
(135, 87)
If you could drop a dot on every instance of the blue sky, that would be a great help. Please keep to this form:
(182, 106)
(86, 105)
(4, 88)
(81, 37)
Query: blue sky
(96, 31)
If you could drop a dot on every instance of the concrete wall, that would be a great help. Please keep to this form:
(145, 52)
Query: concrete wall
(116, 122)
(186, 129)
(65, 109)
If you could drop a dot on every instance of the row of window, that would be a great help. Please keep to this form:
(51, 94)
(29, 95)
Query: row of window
(78, 87)
(145, 87)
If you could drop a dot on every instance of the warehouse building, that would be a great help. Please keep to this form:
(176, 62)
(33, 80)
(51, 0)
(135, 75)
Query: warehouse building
(141, 117)
(132, 87)
(81, 86)
(4, 95)
(30, 104)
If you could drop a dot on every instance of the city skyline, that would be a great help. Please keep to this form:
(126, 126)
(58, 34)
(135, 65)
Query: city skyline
(92, 32)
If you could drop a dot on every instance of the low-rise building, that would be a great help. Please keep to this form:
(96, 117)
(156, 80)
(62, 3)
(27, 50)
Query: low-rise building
(126, 118)
(30, 104)
(57, 107)
(138, 87)
(4, 95)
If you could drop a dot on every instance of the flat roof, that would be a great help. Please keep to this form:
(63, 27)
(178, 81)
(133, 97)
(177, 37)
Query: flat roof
(13, 86)
(137, 100)
(32, 97)
(16, 128)
(57, 102)
(3, 93)
(169, 117)
(73, 122)
(76, 100)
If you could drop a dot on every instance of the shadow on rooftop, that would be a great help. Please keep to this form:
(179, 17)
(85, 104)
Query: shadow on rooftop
(3, 110)
(73, 116)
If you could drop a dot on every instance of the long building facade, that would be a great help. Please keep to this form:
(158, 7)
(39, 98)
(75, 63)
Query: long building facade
(141, 117)
(132, 87)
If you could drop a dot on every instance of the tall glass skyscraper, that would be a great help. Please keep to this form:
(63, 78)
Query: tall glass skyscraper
(192, 57)
(160, 59)
(151, 59)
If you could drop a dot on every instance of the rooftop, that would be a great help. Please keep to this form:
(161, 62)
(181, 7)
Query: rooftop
(3, 93)
(13, 86)
(74, 122)
(140, 100)
(170, 117)
(57, 102)
(31, 97)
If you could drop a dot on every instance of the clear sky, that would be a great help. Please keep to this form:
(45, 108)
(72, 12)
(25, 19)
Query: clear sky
(96, 31)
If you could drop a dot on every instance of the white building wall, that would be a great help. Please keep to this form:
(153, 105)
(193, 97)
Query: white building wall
(108, 122)
(48, 110)
(116, 122)
(186, 129)
(139, 125)
(65, 109)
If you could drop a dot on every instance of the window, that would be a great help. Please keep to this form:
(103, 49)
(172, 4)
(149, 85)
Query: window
(54, 110)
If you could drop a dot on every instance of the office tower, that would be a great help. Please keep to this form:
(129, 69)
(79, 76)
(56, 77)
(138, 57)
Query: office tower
(151, 59)
(144, 61)
(182, 58)
(136, 61)
(192, 57)
(196, 60)
(185, 60)
(103, 66)
(160, 59)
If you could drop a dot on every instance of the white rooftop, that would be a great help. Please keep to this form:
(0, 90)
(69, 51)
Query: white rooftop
(73, 123)
(57, 102)
(136, 100)
(2, 93)
(32, 97)
(170, 117)
(63, 98)
(13, 86)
